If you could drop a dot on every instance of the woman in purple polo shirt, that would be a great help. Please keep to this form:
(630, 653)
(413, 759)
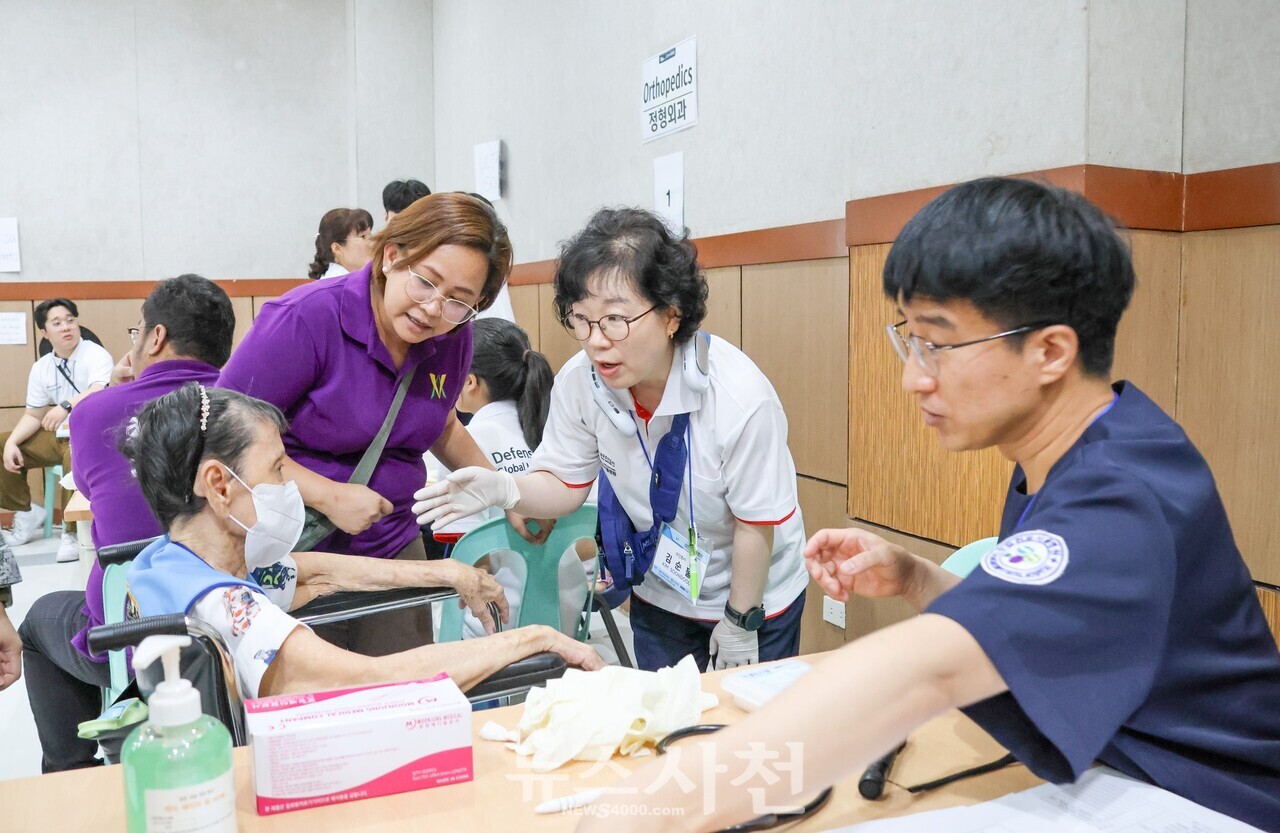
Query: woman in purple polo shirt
(331, 354)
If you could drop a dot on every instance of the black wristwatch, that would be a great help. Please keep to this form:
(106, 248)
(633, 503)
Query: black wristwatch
(749, 621)
(65, 405)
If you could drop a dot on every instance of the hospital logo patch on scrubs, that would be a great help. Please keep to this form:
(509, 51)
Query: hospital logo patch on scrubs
(1031, 557)
(437, 385)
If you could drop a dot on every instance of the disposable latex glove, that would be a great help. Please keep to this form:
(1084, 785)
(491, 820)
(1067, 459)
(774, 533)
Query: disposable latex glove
(588, 716)
(732, 646)
(463, 493)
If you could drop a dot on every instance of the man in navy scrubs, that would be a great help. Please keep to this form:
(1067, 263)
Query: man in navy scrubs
(1115, 622)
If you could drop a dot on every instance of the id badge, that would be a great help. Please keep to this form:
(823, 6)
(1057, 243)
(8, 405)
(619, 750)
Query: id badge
(673, 563)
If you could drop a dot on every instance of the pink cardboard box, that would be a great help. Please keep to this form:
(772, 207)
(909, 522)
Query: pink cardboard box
(310, 750)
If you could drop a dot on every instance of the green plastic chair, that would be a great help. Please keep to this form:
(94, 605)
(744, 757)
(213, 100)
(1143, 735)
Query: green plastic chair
(114, 590)
(962, 561)
(52, 474)
(540, 604)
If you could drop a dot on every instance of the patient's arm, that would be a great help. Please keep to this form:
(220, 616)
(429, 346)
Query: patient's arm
(322, 573)
(305, 662)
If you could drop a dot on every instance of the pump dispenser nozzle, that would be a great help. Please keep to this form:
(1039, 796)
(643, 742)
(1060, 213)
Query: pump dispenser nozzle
(174, 702)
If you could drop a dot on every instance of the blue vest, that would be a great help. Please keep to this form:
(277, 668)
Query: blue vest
(169, 578)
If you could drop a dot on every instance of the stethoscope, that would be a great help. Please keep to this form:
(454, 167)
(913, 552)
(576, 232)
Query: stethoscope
(772, 820)
(767, 821)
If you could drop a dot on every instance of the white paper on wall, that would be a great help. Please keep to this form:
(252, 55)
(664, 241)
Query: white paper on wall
(668, 190)
(13, 328)
(489, 170)
(669, 91)
(10, 258)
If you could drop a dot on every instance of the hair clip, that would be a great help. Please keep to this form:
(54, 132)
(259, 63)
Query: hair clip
(204, 408)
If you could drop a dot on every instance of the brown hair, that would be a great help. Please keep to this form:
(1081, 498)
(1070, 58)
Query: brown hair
(448, 219)
(336, 226)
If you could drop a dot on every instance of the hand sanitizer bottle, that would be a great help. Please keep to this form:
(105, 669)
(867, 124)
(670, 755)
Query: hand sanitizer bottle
(177, 765)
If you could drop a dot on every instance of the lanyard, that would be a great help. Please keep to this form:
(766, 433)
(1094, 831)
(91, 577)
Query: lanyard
(61, 364)
(688, 459)
(1115, 397)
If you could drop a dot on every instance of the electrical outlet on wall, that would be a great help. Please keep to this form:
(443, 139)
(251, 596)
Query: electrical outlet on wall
(833, 612)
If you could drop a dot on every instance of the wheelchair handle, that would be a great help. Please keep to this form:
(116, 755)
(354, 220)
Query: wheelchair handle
(128, 634)
(123, 553)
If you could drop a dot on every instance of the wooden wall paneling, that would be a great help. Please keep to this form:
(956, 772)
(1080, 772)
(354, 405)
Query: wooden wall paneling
(557, 345)
(16, 360)
(524, 300)
(862, 616)
(1270, 599)
(822, 505)
(795, 321)
(258, 301)
(243, 308)
(724, 304)
(1147, 341)
(900, 476)
(110, 319)
(1228, 356)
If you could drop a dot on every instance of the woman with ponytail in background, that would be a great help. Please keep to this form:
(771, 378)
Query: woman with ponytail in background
(508, 394)
(343, 244)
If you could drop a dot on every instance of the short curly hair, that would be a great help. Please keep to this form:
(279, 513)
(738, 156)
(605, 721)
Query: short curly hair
(636, 246)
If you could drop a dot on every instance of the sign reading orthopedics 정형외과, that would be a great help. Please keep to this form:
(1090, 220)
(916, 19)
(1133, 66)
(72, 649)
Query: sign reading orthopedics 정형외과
(669, 91)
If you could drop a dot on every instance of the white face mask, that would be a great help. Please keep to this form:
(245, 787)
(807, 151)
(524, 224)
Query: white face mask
(281, 515)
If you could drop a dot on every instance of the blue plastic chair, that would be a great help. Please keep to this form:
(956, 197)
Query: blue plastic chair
(962, 561)
(52, 474)
(540, 604)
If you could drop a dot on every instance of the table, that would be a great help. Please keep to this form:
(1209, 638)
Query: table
(503, 795)
(77, 508)
(77, 511)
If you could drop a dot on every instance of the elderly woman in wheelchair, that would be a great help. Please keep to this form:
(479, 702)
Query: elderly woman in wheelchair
(209, 462)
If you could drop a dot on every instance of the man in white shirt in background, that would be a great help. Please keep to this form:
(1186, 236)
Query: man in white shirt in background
(59, 379)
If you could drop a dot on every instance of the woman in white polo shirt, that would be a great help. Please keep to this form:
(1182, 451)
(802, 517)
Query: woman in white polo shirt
(649, 392)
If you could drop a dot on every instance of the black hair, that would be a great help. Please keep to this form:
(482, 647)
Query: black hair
(637, 247)
(1022, 253)
(336, 226)
(511, 369)
(166, 445)
(399, 194)
(197, 316)
(42, 310)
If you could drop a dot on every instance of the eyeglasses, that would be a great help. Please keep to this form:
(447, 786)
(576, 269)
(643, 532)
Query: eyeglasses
(612, 327)
(422, 291)
(133, 334)
(926, 352)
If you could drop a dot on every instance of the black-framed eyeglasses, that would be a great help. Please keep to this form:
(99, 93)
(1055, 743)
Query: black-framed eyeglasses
(422, 291)
(612, 327)
(133, 334)
(926, 353)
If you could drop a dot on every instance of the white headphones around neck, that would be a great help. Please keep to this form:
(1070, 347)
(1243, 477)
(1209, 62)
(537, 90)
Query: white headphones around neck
(695, 367)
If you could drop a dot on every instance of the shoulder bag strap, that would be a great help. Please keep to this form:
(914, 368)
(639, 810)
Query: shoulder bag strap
(364, 469)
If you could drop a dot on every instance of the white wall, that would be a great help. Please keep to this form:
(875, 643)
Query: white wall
(802, 105)
(1233, 84)
(1136, 50)
(143, 139)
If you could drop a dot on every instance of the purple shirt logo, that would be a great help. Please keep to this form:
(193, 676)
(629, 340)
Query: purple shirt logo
(437, 385)
(1031, 557)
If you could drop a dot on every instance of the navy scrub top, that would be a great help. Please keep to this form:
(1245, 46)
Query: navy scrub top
(1119, 611)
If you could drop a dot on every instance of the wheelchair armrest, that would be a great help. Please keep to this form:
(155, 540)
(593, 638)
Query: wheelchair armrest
(339, 607)
(128, 634)
(123, 553)
(519, 676)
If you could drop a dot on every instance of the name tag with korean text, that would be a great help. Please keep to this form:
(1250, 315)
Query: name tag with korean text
(679, 563)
